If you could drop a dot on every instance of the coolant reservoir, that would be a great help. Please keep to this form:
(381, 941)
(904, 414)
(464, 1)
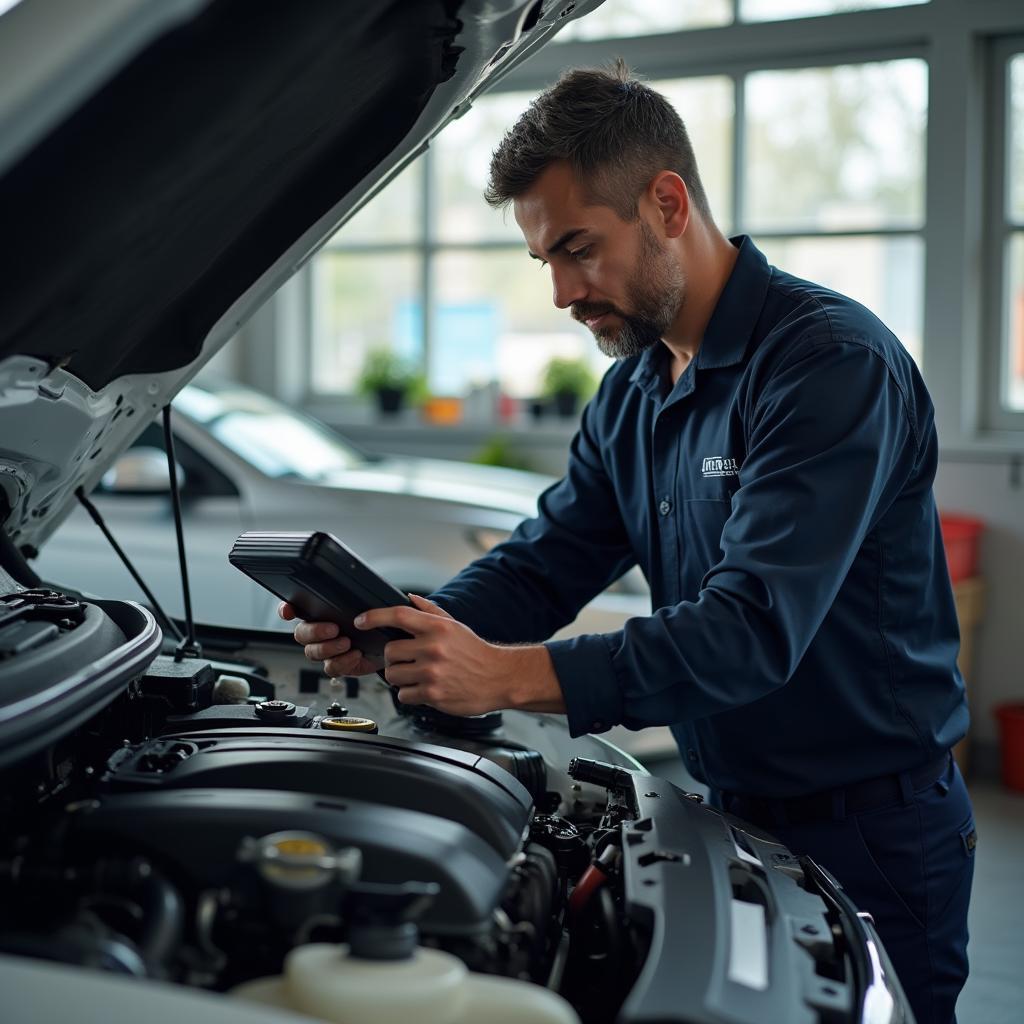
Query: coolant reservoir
(382, 975)
(324, 981)
(327, 983)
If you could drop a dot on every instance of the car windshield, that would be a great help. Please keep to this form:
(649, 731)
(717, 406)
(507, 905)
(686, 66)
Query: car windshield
(268, 435)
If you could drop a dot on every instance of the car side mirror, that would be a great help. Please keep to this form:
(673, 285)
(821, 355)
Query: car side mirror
(140, 471)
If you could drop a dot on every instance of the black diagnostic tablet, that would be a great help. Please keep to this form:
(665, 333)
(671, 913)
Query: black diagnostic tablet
(322, 580)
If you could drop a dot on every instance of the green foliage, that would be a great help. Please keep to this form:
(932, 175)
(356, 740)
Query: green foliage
(498, 452)
(568, 375)
(384, 370)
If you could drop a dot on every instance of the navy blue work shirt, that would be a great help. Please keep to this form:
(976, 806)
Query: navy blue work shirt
(778, 499)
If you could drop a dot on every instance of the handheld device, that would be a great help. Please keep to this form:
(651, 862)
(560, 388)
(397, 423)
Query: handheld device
(323, 580)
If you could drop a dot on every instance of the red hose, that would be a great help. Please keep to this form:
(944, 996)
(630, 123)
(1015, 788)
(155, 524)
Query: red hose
(590, 881)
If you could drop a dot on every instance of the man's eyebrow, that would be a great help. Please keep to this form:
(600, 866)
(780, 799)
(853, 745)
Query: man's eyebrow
(560, 242)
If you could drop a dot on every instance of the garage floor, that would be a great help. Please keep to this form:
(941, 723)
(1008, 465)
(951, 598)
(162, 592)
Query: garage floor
(995, 989)
(994, 993)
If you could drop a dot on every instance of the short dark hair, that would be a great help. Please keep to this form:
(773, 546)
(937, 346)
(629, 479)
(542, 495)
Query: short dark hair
(615, 133)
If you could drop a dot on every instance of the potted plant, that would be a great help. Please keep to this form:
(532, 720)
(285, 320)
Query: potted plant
(391, 379)
(567, 382)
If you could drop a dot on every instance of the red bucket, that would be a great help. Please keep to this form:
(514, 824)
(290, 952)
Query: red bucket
(961, 536)
(1011, 736)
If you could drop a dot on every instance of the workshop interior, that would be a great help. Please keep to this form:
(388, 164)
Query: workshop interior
(267, 335)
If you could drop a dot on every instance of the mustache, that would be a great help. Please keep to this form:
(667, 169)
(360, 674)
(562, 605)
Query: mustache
(582, 311)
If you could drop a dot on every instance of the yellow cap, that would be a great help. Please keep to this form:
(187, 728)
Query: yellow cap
(301, 846)
(349, 724)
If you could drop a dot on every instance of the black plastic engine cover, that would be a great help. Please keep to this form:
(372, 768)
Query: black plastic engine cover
(198, 832)
(449, 784)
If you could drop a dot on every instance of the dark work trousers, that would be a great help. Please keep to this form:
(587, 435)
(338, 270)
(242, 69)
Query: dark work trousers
(910, 865)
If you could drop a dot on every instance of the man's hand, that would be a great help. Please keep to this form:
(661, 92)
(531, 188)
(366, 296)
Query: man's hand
(443, 664)
(323, 642)
(446, 665)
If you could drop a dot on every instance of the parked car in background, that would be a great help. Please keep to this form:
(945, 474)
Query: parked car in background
(248, 462)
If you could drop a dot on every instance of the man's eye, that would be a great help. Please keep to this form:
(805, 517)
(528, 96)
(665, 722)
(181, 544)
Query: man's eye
(581, 253)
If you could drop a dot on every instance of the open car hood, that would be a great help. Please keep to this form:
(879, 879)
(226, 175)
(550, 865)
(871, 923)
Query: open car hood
(165, 167)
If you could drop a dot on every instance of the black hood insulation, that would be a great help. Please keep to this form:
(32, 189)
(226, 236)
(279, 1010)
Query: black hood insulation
(131, 229)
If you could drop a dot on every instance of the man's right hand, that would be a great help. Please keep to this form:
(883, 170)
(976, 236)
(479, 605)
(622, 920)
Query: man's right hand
(322, 642)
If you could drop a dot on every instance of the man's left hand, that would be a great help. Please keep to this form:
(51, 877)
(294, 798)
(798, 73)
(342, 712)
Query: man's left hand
(446, 665)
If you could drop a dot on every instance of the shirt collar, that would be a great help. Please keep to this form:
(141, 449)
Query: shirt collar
(732, 323)
(739, 307)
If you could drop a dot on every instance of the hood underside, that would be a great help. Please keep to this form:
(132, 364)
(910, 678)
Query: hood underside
(172, 194)
(172, 189)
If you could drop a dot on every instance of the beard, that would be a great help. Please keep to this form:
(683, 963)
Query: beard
(655, 294)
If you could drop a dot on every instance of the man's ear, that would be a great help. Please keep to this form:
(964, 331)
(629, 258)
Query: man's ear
(670, 197)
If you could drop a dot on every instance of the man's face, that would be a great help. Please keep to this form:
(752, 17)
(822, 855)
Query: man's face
(615, 276)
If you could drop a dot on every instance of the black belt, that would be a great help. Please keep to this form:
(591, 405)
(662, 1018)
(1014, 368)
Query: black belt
(836, 804)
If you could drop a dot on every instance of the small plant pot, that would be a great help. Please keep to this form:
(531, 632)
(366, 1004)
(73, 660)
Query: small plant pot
(442, 409)
(390, 401)
(566, 403)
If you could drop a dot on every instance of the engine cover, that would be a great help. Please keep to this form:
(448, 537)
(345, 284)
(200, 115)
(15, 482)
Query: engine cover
(418, 812)
(197, 833)
(453, 785)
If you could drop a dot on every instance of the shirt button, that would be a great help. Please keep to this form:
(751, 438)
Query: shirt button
(665, 507)
(597, 726)
(691, 754)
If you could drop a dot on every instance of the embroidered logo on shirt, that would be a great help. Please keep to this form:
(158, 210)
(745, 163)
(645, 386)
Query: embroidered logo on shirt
(719, 466)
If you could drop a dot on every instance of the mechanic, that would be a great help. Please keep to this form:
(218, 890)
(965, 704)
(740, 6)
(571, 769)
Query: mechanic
(764, 449)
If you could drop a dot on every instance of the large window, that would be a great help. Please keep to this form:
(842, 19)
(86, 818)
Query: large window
(430, 272)
(833, 181)
(812, 133)
(427, 270)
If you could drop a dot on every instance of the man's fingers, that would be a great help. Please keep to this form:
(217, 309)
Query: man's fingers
(396, 651)
(328, 649)
(408, 692)
(424, 604)
(343, 665)
(401, 616)
(286, 611)
(314, 632)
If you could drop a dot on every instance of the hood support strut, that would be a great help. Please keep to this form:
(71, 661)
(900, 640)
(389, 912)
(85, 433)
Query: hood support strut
(119, 551)
(189, 646)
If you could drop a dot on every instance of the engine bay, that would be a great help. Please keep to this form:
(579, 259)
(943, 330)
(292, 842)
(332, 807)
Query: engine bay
(204, 818)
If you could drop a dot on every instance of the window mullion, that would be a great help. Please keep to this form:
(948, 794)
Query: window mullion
(739, 146)
(427, 228)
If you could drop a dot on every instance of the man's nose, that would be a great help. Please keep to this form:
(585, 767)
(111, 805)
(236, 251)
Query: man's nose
(567, 286)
